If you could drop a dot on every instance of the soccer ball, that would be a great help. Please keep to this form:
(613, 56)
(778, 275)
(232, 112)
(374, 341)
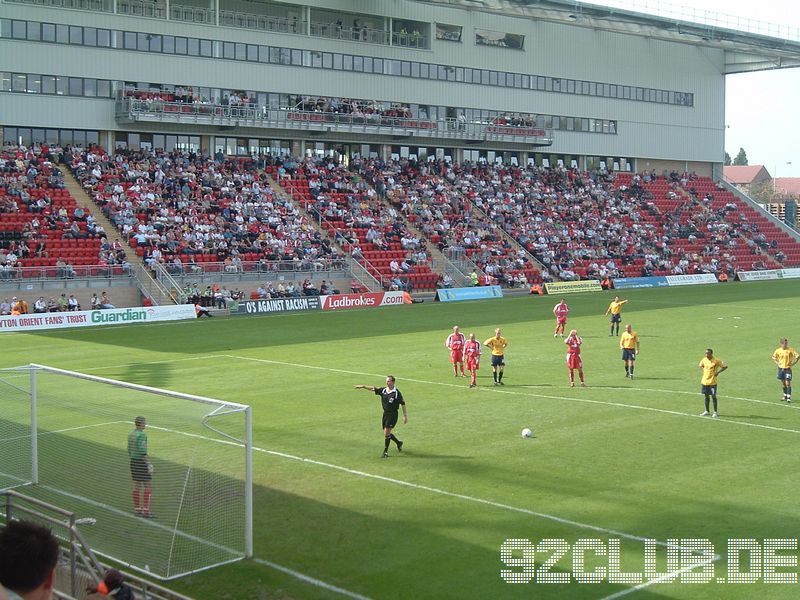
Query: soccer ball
(526, 433)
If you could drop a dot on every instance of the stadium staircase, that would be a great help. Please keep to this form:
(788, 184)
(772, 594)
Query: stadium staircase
(373, 270)
(151, 287)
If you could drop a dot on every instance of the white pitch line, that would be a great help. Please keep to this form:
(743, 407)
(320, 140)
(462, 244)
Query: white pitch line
(532, 395)
(22, 437)
(666, 577)
(754, 400)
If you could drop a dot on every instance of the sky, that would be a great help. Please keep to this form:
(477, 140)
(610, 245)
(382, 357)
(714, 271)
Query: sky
(761, 113)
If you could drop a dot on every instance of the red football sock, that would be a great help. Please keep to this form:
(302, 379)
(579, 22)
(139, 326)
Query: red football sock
(146, 506)
(136, 499)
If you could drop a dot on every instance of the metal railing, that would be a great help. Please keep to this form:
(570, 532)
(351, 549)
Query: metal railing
(64, 273)
(78, 566)
(152, 288)
(251, 115)
(141, 8)
(93, 5)
(167, 272)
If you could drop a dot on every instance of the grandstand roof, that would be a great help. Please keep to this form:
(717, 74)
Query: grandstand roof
(766, 47)
(745, 174)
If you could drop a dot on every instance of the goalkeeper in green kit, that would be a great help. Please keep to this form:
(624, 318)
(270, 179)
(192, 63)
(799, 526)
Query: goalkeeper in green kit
(141, 469)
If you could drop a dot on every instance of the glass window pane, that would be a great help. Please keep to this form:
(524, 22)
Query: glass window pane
(347, 62)
(48, 84)
(228, 50)
(424, 71)
(252, 52)
(48, 32)
(75, 35)
(103, 38)
(205, 47)
(34, 83)
(181, 45)
(129, 40)
(327, 60)
(168, 44)
(62, 34)
(241, 51)
(5, 28)
(75, 86)
(297, 57)
(34, 31)
(358, 63)
(19, 82)
(377, 65)
(61, 86)
(142, 41)
(337, 62)
(89, 87)
(19, 30)
(155, 43)
(104, 88)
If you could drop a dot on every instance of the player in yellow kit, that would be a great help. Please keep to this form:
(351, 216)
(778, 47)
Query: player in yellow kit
(785, 357)
(498, 345)
(615, 310)
(629, 344)
(712, 367)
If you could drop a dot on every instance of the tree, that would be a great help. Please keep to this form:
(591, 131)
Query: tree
(727, 159)
(762, 192)
(741, 158)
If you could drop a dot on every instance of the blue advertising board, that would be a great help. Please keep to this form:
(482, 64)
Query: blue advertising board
(469, 293)
(626, 283)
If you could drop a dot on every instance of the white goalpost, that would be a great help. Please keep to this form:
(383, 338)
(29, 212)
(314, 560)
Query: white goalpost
(64, 437)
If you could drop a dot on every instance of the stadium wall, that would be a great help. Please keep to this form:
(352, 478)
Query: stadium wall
(644, 129)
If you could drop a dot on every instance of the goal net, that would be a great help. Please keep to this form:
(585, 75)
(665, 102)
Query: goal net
(64, 436)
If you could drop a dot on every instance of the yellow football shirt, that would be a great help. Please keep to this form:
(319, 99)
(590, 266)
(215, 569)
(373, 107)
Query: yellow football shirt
(710, 369)
(616, 307)
(496, 344)
(785, 357)
(629, 340)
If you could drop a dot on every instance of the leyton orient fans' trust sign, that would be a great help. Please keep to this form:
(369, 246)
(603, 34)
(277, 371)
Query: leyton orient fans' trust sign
(94, 318)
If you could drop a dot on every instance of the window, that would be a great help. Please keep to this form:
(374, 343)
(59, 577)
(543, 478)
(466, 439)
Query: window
(405, 69)
(358, 63)
(168, 44)
(34, 31)
(347, 62)
(228, 50)
(104, 38)
(155, 43)
(103, 88)
(62, 34)
(75, 86)
(48, 32)
(76, 35)
(181, 45)
(205, 47)
(5, 28)
(48, 84)
(241, 51)
(89, 87)
(34, 84)
(297, 57)
(327, 60)
(19, 30)
(448, 33)
(129, 40)
(143, 41)
(19, 83)
(61, 86)
(337, 62)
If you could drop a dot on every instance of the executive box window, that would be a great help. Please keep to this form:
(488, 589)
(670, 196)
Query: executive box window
(485, 37)
(448, 33)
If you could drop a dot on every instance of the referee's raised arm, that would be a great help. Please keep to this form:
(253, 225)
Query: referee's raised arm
(371, 388)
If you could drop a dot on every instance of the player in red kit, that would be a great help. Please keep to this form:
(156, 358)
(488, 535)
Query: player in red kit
(574, 361)
(455, 341)
(561, 311)
(472, 351)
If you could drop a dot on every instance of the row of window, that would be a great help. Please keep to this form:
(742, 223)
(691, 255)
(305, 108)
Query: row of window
(63, 137)
(34, 83)
(169, 44)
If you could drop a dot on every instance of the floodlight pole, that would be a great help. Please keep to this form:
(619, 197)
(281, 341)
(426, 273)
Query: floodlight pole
(248, 490)
(34, 430)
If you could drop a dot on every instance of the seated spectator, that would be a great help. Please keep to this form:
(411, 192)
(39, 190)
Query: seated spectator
(105, 301)
(95, 301)
(72, 303)
(5, 307)
(202, 311)
(52, 305)
(40, 306)
(63, 303)
(28, 558)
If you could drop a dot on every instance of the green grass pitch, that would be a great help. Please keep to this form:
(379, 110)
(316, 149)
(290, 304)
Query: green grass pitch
(619, 459)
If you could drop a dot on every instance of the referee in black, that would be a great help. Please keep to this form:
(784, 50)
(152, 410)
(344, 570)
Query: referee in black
(392, 400)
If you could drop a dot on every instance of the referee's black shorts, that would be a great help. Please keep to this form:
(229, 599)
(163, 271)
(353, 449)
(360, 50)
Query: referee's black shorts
(139, 470)
(389, 420)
